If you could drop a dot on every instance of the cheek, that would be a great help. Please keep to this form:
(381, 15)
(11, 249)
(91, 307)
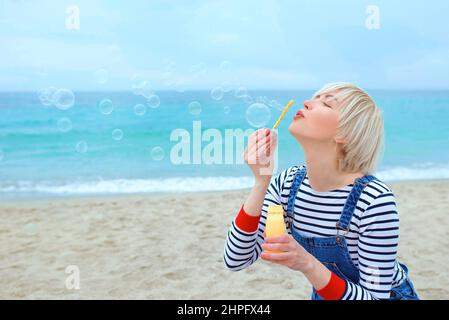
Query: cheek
(320, 126)
(326, 122)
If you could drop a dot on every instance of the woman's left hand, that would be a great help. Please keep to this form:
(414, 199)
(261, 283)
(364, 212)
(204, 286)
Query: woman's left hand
(293, 256)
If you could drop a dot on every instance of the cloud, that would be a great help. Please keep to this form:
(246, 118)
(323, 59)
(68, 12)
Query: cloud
(270, 43)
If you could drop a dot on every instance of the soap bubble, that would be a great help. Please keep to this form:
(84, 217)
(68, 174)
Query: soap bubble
(64, 124)
(194, 107)
(140, 109)
(81, 147)
(64, 99)
(137, 90)
(101, 76)
(154, 101)
(117, 134)
(137, 81)
(30, 229)
(248, 99)
(146, 90)
(199, 69)
(275, 104)
(217, 93)
(157, 153)
(240, 92)
(258, 115)
(226, 109)
(262, 99)
(226, 86)
(140, 86)
(46, 96)
(106, 106)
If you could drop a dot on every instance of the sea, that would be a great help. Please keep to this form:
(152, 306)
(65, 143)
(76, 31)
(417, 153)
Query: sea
(76, 143)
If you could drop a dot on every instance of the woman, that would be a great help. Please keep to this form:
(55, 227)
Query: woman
(343, 224)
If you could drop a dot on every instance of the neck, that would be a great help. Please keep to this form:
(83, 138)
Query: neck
(322, 169)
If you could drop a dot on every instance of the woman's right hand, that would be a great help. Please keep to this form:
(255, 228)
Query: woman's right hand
(259, 154)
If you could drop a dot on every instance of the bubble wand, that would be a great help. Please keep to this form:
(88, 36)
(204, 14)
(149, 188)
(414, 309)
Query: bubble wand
(289, 104)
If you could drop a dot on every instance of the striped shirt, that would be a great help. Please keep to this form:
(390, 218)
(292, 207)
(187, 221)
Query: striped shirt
(372, 239)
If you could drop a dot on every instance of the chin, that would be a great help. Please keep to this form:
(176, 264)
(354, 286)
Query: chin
(294, 131)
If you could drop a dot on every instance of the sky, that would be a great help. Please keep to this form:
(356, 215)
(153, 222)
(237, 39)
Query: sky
(199, 44)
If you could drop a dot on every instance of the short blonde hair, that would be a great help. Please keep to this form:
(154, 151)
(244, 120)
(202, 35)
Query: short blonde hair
(361, 127)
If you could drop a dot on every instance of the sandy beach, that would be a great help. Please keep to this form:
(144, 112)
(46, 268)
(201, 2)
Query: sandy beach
(171, 247)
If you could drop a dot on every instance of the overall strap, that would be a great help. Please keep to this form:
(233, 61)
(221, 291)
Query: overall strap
(296, 183)
(351, 201)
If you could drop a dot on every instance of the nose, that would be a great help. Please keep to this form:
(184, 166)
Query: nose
(307, 105)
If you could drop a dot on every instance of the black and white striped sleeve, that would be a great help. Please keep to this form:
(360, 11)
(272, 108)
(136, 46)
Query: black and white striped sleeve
(377, 250)
(243, 248)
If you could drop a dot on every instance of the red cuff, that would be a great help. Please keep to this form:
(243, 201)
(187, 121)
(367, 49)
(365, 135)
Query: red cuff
(246, 222)
(334, 290)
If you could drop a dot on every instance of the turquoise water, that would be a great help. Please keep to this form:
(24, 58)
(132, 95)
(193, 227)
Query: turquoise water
(37, 158)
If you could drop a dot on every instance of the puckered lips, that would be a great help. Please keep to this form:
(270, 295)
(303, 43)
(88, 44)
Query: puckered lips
(298, 115)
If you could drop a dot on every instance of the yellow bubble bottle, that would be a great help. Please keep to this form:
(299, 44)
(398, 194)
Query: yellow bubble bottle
(275, 225)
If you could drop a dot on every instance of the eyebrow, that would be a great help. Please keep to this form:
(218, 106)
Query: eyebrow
(333, 98)
(329, 95)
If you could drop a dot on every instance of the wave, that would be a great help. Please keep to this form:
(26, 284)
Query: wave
(421, 171)
(426, 171)
(130, 186)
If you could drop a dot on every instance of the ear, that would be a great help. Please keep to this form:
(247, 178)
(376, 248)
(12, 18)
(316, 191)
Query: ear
(340, 141)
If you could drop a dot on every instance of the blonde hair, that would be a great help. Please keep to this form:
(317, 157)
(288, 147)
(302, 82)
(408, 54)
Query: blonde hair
(361, 127)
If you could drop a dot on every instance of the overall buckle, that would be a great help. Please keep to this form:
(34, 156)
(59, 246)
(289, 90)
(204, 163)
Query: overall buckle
(340, 228)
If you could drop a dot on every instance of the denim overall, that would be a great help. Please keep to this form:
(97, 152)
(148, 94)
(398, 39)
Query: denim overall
(333, 251)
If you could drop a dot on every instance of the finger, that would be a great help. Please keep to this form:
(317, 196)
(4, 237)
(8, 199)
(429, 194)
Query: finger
(278, 239)
(253, 158)
(276, 246)
(262, 134)
(260, 140)
(278, 256)
(262, 150)
(271, 140)
(258, 154)
(259, 144)
(252, 139)
(263, 156)
(272, 143)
